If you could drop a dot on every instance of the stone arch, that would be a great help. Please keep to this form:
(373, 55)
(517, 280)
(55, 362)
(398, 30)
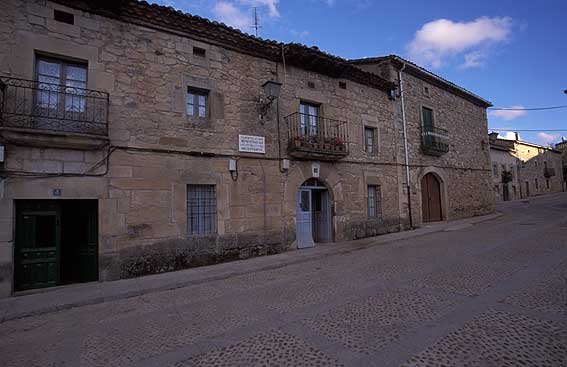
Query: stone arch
(300, 173)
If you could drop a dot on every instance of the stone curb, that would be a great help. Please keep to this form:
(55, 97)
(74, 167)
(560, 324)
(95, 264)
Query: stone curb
(171, 284)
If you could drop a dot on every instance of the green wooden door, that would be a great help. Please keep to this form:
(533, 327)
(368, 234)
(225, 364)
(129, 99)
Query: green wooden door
(38, 238)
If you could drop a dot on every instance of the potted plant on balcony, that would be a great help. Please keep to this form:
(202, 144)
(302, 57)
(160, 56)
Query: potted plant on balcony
(299, 141)
(338, 144)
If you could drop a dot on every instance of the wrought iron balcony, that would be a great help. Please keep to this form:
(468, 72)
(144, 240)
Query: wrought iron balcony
(316, 137)
(30, 104)
(434, 141)
(548, 172)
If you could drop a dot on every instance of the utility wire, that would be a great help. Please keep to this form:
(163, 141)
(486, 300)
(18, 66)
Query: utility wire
(526, 109)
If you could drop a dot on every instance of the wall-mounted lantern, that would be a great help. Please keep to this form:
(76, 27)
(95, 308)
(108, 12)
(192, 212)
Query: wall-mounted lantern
(233, 169)
(271, 92)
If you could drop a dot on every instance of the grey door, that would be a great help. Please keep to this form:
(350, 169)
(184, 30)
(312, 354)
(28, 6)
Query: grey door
(304, 219)
(323, 218)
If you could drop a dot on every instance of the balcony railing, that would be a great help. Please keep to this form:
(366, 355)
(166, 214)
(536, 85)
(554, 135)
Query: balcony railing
(434, 141)
(31, 104)
(316, 137)
(548, 172)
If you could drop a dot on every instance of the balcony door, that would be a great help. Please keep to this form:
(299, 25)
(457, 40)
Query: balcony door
(61, 89)
(309, 119)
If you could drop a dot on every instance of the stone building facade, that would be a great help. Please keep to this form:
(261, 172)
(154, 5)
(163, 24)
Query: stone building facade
(522, 169)
(452, 146)
(562, 147)
(140, 140)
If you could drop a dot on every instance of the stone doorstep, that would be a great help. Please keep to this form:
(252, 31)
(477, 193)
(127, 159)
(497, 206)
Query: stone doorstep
(66, 297)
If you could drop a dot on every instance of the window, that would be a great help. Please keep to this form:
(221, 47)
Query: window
(427, 114)
(197, 102)
(547, 184)
(513, 172)
(342, 85)
(61, 85)
(309, 118)
(201, 209)
(63, 16)
(369, 140)
(503, 168)
(495, 170)
(426, 91)
(536, 184)
(198, 51)
(374, 201)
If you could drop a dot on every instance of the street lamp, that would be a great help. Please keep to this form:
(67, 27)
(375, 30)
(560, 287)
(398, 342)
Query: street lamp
(271, 92)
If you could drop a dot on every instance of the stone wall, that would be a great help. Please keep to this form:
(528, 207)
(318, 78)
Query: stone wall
(158, 150)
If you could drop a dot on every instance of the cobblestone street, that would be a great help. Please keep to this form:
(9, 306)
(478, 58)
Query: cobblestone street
(490, 294)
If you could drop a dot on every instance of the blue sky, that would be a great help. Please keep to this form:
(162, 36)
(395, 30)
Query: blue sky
(511, 52)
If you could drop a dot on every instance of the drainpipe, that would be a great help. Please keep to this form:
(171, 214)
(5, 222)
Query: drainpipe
(401, 84)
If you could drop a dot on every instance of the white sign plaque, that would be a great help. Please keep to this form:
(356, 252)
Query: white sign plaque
(252, 144)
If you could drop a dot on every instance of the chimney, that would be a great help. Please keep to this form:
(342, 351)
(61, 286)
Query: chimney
(517, 136)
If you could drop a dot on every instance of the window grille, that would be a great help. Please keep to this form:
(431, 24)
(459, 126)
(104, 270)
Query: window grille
(374, 201)
(201, 209)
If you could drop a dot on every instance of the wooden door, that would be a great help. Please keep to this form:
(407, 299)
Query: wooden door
(304, 219)
(431, 198)
(79, 241)
(38, 237)
(322, 216)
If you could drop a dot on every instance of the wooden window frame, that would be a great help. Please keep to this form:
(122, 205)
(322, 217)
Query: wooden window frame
(374, 139)
(307, 118)
(198, 121)
(64, 63)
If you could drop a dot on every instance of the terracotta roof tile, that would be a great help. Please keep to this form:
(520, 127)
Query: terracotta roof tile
(175, 21)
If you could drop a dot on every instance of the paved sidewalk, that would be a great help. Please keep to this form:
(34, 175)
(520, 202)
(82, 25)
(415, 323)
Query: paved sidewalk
(61, 298)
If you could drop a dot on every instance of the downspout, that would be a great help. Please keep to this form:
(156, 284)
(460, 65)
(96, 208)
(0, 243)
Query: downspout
(406, 157)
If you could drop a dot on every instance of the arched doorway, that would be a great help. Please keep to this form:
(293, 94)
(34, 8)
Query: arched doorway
(313, 214)
(431, 198)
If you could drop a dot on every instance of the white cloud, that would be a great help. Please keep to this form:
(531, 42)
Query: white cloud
(508, 135)
(511, 114)
(546, 139)
(441, 39)
(230, 14)
(272, 6)
(237, 13)
(299, 34)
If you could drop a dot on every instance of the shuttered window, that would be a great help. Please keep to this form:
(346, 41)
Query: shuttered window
(374, 201)
(201, 209)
